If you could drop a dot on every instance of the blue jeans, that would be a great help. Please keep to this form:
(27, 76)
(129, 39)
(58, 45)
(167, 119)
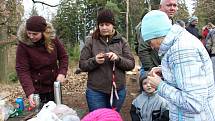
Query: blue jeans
(97, 99)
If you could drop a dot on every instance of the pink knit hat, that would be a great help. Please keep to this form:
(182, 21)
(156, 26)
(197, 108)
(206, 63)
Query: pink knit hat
(103, 114)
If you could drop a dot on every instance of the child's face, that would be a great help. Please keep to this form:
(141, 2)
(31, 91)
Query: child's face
(147, 87)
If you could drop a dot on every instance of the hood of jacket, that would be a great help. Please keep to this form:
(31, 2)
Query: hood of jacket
(22, 34)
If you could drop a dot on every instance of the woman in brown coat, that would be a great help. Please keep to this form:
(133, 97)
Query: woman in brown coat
(106, 56)
(40, 59)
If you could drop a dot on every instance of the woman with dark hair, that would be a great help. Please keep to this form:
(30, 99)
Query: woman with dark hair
(106, 56)
(181, 23)
(40, 59)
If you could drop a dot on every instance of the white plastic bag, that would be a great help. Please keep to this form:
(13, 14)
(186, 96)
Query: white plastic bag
(45, 113)
(53, 112)
(5, 110)
(65, 113)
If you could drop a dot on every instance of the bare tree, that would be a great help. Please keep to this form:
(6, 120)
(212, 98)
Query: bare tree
(43, 3)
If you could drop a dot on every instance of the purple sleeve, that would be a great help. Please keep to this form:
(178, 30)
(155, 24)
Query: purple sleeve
(23, 72)
(62, 57)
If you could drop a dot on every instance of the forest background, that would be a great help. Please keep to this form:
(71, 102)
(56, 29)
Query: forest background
(75, 19)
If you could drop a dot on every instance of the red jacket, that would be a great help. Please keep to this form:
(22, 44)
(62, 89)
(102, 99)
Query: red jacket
(204, 35)
(36, 68)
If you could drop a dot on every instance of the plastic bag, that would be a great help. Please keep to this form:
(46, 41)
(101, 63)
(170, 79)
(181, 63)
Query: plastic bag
(5, 110)
(45, 113)
(65, 113)
(53, 112)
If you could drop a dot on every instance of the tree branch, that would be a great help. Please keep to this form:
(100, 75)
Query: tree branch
(44, 3)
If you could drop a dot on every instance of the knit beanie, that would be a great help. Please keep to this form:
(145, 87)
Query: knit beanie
(36, 24)
(105, 15)
(193, 18)
(103, 114)
(155, 24)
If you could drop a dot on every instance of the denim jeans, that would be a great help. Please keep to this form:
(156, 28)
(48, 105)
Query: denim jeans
(97, 99)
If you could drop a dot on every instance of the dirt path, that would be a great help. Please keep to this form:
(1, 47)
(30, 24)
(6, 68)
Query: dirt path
(74, 93)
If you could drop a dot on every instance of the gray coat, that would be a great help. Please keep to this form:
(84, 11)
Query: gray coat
(146, 104)
(210, 42)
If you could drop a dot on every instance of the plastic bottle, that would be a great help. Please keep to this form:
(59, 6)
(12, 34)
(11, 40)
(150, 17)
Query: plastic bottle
(20, 103)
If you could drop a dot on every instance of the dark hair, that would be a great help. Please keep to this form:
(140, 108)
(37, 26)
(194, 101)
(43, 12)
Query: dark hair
(96, 33)
(180, 22)
(142, 78)
(104, 15)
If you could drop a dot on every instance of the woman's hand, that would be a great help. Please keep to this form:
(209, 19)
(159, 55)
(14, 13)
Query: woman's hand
(112, 56)
(154, 80)
(100, 58)
(61, 78)
(31, 100)
(156, 70)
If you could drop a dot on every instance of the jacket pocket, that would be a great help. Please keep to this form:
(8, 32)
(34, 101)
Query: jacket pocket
(44, 77)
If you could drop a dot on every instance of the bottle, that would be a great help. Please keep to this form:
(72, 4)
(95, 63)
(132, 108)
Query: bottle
(57, 92)
(20, 103)
(37, 102)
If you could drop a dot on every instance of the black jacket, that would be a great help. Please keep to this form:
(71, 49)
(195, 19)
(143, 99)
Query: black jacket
(194, 31)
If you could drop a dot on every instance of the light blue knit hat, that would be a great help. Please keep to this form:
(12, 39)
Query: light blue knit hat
(192, 19)
(155, 24)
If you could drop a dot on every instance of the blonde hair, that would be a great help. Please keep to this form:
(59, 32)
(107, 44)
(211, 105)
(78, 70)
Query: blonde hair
(49, 35)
